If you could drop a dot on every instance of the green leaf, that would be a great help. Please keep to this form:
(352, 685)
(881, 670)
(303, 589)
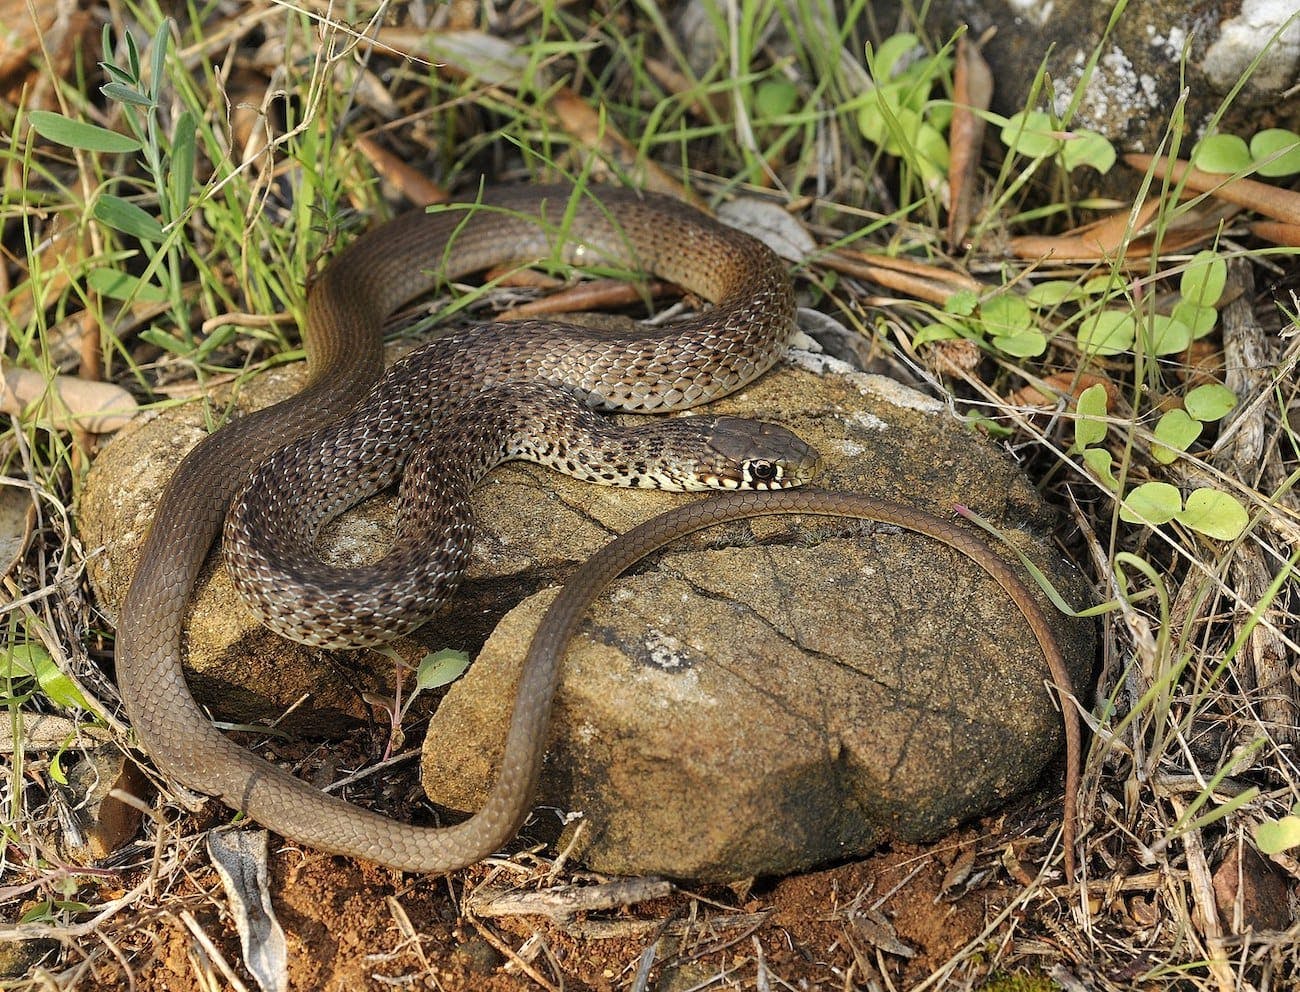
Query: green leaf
(962, 303)
(931, 149)
(183, 154)
(1174, 434)
(1099, 460)
(1088, 148)
(119, 285)
(1053, 293)
(1005, 314)
(1031, 134)
(1199, 320)
(1222, 153)
(1210, 402)
(1167, 335)
(125, 216)
(440, 668)
(775, 98)
(1276, 141)
(79, 134)
(1203, 279)
(33, 661)
(125, 94)
(1276, 836)
(1214, 514)
(1023, 344)
(1110, 332)
(883, 60)
(1152, 503)
(933, 332)
(1090, 427)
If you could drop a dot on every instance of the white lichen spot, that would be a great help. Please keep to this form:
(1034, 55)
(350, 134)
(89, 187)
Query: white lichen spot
(851, 449)
(1269, 27)
(1033, 11)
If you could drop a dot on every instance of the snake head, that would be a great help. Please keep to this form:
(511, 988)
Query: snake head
(751, 454)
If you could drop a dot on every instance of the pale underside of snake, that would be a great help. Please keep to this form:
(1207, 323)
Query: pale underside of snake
(468, 392)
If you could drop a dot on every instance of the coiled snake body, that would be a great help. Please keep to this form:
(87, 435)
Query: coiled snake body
(467, 391)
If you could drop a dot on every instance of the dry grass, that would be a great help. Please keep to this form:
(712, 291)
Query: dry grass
(1195, 710)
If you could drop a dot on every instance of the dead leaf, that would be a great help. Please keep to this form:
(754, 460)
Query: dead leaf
(972, 91)
(241, 860)
(1271, 201)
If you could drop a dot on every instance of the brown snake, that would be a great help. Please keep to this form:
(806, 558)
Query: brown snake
(673, 367)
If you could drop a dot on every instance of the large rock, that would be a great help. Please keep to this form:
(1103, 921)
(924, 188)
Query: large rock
(780, 693)
(773, 694)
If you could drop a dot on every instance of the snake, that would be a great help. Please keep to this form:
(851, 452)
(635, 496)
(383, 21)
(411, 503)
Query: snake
(469, 397)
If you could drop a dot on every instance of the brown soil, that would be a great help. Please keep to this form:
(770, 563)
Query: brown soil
(897, 917)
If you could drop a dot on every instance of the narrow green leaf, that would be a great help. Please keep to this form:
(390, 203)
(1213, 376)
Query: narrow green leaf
(125, 216)
(118, 285)
(79, 134)
(1214, 514)
(125, 94)
(161, 38)
(1152, 503)
(184, 153)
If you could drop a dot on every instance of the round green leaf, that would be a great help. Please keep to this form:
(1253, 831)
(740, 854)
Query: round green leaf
(1276, 836)
(1214, 514)
(1005, 314)
(1222, 153)
(1088, 148)
(962, 303)
(1053, 293)
(1022, 344)
(1099, 460)
(1031, 134)
(1090, 427)
(1199, 320)
(1110, 332)
(933, 332)
(775, 98)
(1203, 280)
(884, 59)
(1168, 335)
(1174, 434)
(1151, 503)
(932, 148)
(1210, 402)
(1276, 142)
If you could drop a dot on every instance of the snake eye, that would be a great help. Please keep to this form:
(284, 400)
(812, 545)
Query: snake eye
(762, 471)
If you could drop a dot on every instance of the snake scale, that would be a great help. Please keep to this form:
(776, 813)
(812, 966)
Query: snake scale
(455, 385)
